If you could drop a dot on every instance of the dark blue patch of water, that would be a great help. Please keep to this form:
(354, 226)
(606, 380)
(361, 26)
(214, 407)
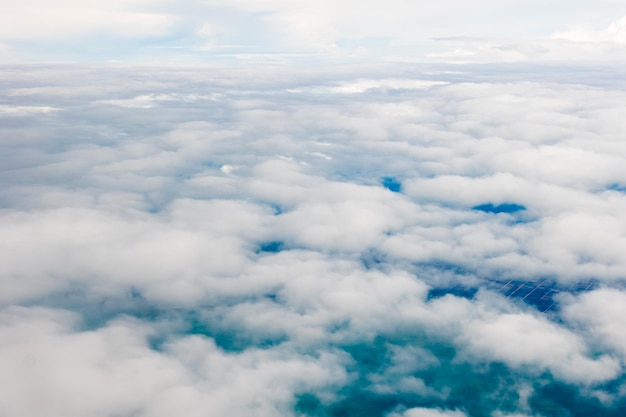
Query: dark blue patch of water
(391, 184)
(558, 399)
(271, 247)
(457, 291)
(309, 405)
(478, 390)
(499, 208)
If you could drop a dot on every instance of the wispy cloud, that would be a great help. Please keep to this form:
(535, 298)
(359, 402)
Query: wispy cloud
(194, 31)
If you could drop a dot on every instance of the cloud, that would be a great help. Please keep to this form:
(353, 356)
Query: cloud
(599, 312)
(35, 20)
(578, 44)
(615, 32)
(192, 31)
(430, 412)
(113, 370)
(523, 340)
(361, 86)
(311, 241)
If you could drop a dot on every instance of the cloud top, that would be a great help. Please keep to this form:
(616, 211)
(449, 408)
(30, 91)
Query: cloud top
(398, 240)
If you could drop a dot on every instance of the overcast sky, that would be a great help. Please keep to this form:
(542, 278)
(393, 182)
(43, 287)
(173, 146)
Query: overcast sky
(329, 209)
(192, 31)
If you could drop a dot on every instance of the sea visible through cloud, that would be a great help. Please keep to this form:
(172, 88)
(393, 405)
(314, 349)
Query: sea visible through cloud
(393, 240)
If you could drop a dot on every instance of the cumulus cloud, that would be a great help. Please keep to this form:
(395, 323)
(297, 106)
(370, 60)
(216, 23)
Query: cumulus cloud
(600, 311)
(113, 370)
(524, 340)
(430, 412)
(311, 241)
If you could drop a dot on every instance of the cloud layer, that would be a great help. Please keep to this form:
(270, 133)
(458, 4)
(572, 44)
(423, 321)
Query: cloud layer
(201, 31)
(386, 241)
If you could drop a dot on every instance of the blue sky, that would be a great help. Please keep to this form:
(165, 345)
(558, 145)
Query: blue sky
(330, 209)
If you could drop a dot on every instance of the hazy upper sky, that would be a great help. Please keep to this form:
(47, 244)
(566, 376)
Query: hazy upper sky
(205, 31)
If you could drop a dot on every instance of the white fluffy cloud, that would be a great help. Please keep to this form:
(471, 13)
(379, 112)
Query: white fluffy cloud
(525, 340)
(429, 412)
(220, 241)
(113, 370)
(600, 312)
